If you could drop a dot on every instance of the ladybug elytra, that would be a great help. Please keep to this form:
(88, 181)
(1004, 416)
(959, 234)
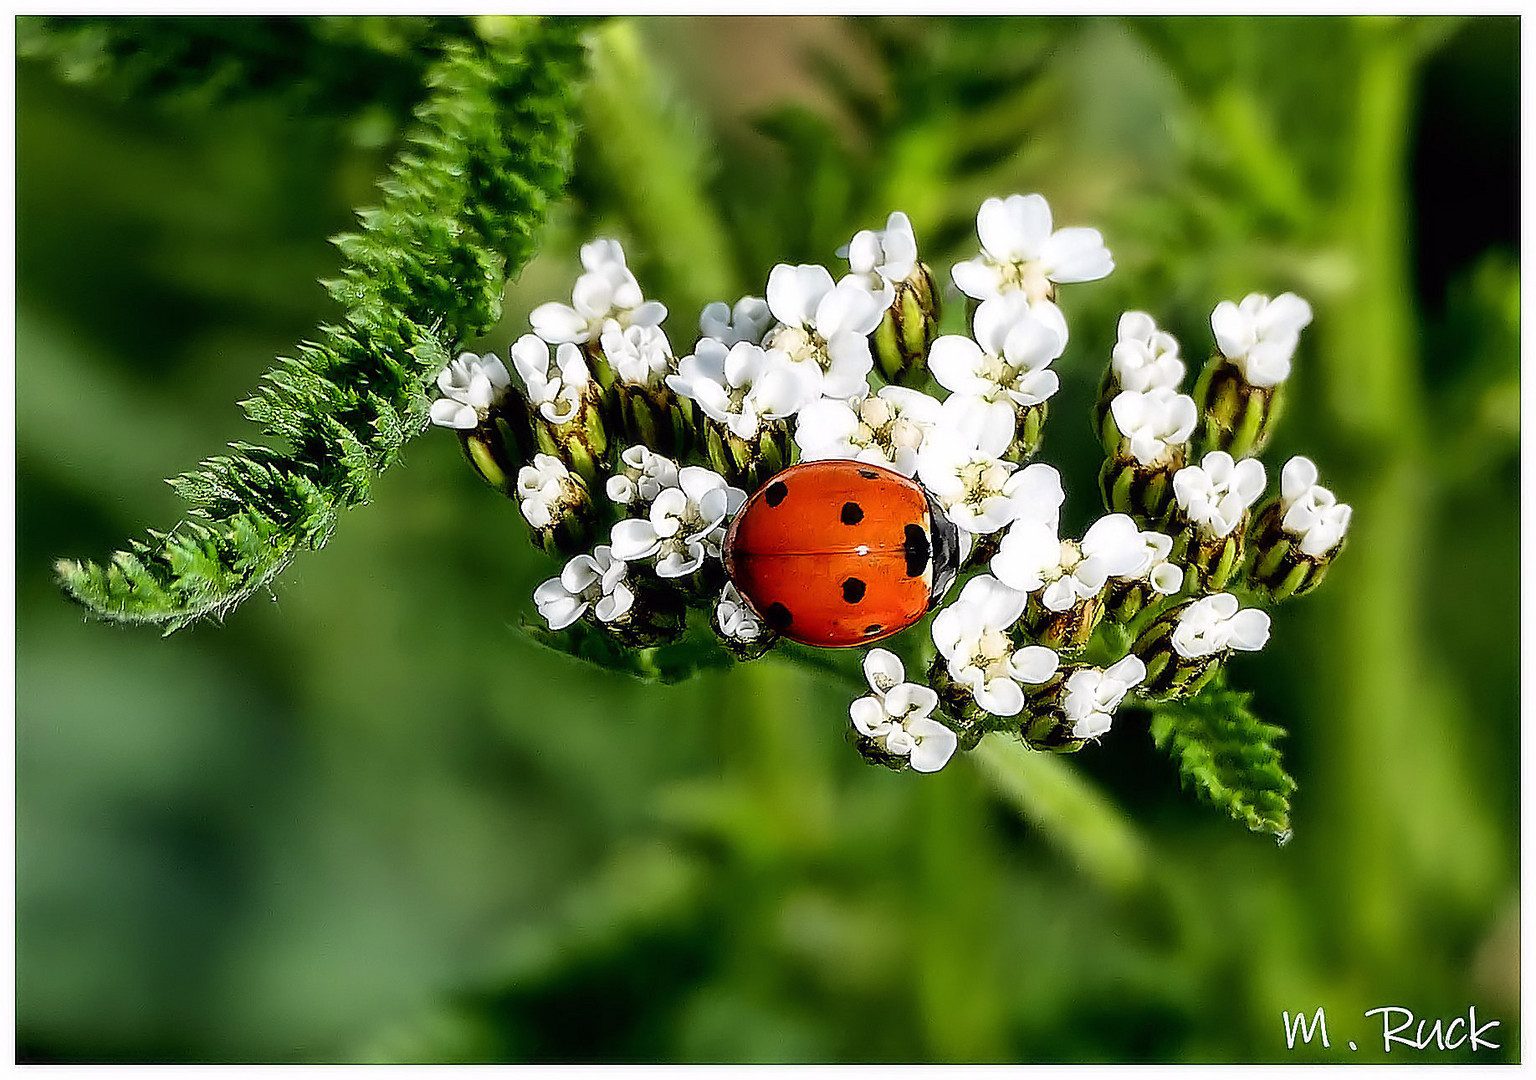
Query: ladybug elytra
(841, 553)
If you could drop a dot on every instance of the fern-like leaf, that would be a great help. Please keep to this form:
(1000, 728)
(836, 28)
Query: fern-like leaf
(462, 207)
(1229, 755)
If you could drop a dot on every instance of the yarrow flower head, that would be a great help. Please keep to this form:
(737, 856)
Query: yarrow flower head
(1145, 358)
(743, 388)
(638, 354)
(1217, 623)
(686, 524)
(1154, 422)
(554, 389)
(980, 492)
(823, 328)
(897, 715)
(471, 386)
(748, 321)
(972, 636)
(608, 290)
(642, 475)
(1005, 368)
(1217, 493)
(1092, 695)
(1311, 511)
(887, 428)
(1033, 559)
(1259, 336)
(594, 582)
(1020, 250)
(879, 260)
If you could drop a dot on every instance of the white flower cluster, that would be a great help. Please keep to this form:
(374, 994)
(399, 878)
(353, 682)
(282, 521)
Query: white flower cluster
(606, 292)
(1217, 493)
(897, 715)
(1216, 623)
(1259, 335)
(1310, 510)
(471, 386)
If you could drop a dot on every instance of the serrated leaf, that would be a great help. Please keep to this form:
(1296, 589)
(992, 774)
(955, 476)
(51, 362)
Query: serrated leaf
(1229, 755)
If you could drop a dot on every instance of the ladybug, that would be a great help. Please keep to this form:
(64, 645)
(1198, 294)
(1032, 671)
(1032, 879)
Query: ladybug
(841, 553)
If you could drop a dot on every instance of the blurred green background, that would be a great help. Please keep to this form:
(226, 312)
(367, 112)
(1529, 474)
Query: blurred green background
(366, 820)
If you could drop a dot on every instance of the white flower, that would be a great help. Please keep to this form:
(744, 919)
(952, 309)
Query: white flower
(1311, 511)
(1260, 335)
(686, 524)
(638, 354)
(897, 716)
(1093, 694)
(1155, 569)
(823, 328)
(642, 476)
(1019, 250)
(1144, 357)
(1032, 558)
(1154, 421)
(972, 636)
(540, 488)
(879, 260)
(980, 492)
(742, 388)
(554, 390)
(736, 618)
(1005, 368)
(886, 429)
(748, 321)
(1218, 492)
(606, 291)
(471, 385)
(593, 581)
(1214, 623)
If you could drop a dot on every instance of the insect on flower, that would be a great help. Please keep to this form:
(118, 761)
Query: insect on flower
(840, 553)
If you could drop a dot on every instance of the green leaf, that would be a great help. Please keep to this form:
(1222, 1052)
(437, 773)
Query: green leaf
(1228, 754)
(462, 208)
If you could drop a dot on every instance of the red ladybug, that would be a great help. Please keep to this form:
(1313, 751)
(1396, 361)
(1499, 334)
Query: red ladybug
(841, 553)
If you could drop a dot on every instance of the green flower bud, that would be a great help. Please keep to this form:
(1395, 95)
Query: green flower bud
(746, 464)
(1171, 676)
(902, 340)
(1044, 724)
(1029, 433)
(1145, 492)
(580, 442)
(1277, 567)
(1237, 416)
(1209, 560)
(497, 448)
(1103, 419)
(654, 417)
(1067, 631)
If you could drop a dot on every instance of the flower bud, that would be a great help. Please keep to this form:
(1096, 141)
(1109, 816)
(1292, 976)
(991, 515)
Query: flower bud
(1295, 537)
(567, 404)
(1152, 430)
(557, 506)
(1028, 434)
(1067, 631)
(582, 441)
(1145, 492)
(1125, 597)
(744, 463)
(654, 416)
(1078, 704)
(1238, 417)
(902, 340)
(499, 444)
(1183, 646)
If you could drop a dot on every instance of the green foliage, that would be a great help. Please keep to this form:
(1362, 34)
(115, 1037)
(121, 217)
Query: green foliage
(1228, 754)
(462, 207)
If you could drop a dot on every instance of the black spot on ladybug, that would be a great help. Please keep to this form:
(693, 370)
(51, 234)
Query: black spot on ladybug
(916, 548)
(778, 616)
(853, 513)
(776, 492)
(869, 474)
(853, 590)
(873, 628)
